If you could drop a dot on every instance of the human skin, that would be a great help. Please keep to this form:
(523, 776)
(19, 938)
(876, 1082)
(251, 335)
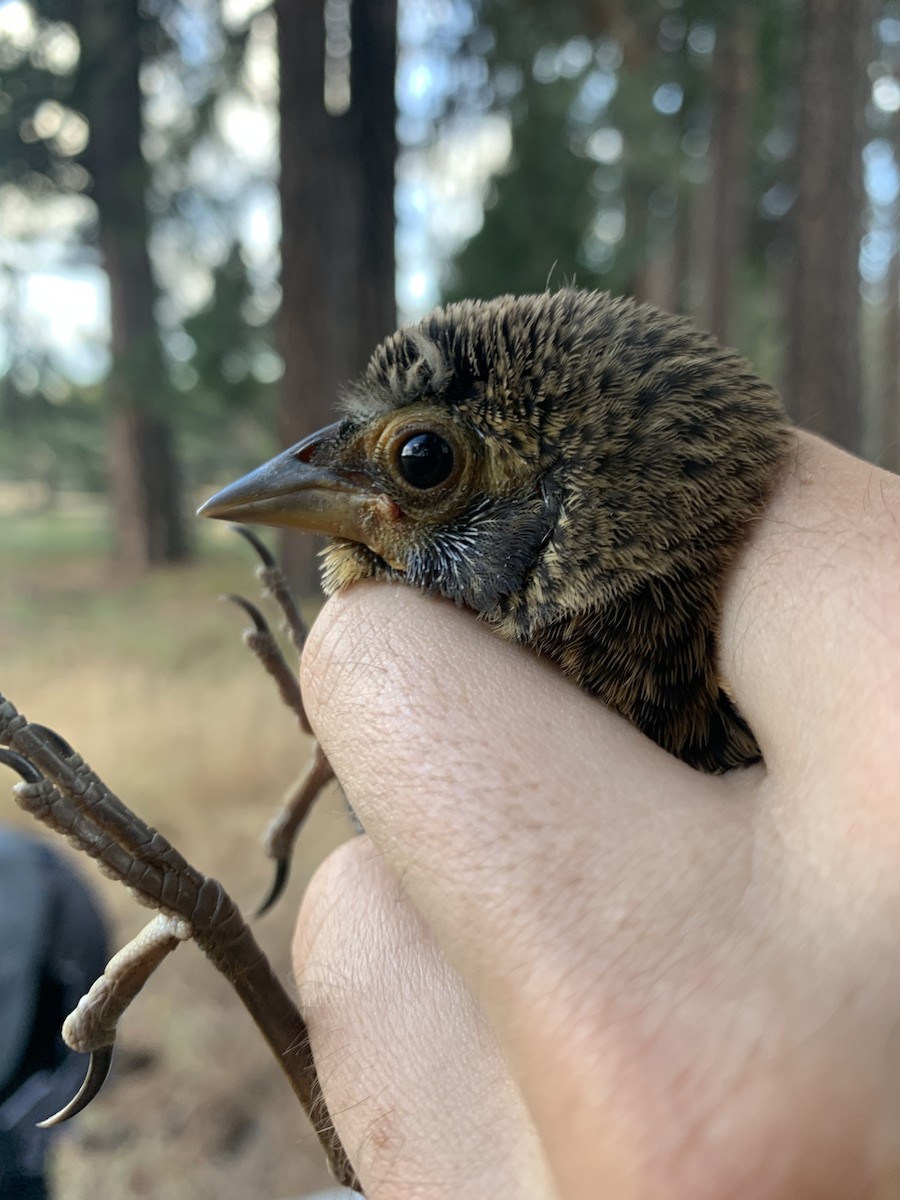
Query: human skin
(562, 963)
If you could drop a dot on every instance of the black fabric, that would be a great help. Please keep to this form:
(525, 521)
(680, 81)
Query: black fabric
(22, 1187)
(53, 945)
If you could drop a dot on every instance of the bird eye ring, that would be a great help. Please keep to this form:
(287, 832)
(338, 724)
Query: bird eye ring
(425, 460)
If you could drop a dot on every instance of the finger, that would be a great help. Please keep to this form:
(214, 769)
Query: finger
(810, 631)
(412, 1076)
(472, 763)
(562, 860)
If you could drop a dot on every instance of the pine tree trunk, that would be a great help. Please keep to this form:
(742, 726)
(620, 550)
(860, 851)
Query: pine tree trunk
(824, 381)
(890, 408)
(373, 69)
(144, 478)
(309, 193)
(733, 85)
(337, 214)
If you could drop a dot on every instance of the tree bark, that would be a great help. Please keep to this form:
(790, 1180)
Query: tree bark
(144, 477)
(733, 85)
(308, 194)
(337, 214)
(373, 70)
(823, 376)
(889, 433)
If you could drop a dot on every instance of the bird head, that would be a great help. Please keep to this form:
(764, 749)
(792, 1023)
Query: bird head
(529, 457)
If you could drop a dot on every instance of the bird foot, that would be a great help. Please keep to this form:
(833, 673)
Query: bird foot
(283, 830)
(285, 825)
(58, 788)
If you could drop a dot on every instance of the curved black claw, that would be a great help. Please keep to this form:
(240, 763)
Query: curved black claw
(268, 558)
(98, 1069)
(282, 872)
(275, 584)
(30, 773)
(262, 625)
(56, 740)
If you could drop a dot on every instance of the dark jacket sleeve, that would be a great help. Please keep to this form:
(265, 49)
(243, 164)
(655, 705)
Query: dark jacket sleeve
(53, 945)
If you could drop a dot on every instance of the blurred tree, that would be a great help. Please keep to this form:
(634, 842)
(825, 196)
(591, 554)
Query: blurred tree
(71, 126)
(648, 156)
(883, 157)
(52, 430)
(889, 433)
(52, 444)
(210, 90)
(733, 87)
(539, 209)
(196, 89)
(226, 343)
(146, 490)
(51, 433)
(338, 146)
(610, 113)
(824, 386)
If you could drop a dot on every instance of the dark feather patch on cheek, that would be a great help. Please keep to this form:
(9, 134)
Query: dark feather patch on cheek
(485, 556)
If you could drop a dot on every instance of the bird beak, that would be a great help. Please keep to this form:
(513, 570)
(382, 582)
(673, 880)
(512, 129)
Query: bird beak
(291, 491)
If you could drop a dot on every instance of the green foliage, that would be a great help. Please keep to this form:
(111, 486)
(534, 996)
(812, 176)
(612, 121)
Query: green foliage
(55, 443)
(610, 108)
(536, 212)
(220, 359)
(227, 378)
(41, 136)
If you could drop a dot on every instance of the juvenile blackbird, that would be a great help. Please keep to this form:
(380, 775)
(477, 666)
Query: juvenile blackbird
(576, 468)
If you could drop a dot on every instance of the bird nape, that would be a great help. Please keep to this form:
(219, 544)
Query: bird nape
(576, 468)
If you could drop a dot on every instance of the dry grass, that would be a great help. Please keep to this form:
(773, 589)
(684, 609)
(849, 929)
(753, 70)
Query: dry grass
(150, 682)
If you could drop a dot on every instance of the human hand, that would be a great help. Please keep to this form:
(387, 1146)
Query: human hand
(563, 964)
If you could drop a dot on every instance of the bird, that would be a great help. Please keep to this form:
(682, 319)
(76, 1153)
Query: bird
(576, 468)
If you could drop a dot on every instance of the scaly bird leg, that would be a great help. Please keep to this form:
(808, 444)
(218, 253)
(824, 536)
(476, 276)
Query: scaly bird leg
(59, 789)
(283, 829)
(274, 583)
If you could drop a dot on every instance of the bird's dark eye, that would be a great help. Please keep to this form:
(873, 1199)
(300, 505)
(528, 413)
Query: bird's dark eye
(425, 460)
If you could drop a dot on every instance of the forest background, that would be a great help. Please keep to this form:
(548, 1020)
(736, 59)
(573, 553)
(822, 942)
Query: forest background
(210, 212)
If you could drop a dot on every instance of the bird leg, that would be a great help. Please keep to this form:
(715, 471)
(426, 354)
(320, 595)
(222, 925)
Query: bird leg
(91, 1027)
(261, 641)
(274, 583)
(283, 829)
(59, 789)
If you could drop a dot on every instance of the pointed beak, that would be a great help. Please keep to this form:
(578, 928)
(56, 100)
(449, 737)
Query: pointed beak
(289, 490)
